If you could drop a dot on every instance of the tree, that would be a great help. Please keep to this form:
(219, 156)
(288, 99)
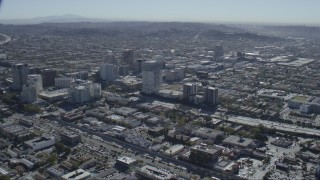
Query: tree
(266, 160)
(3, 177)
(52, 159)
(30, 108)
(181, 121)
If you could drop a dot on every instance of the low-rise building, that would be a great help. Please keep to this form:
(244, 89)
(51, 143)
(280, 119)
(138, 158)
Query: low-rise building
(239, 142)
(54, 96)
(227, 167)
(76, 175)
(282, 143)
(70, 139)
(151, 172)
(40, 143)
(15, 132)
(208, 133)
(203, 153)
(174, 150)
(123, 163)
(55, 171)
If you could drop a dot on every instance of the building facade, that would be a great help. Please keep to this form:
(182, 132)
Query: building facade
(218, 51)
(48, 76)
(151, 77)
(63, 82)
(210, 96)
(109, 72)
(29, 94)
(84, 92)
(36, 81)
(189, 90)
(19, 75)
(128, 58)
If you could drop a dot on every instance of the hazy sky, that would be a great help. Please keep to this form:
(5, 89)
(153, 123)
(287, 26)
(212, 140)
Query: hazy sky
(260, 11)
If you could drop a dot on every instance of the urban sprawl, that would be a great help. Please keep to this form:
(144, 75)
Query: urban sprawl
(138, 100)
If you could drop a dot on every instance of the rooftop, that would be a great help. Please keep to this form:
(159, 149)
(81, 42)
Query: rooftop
(78, 174)
(300, 98)
(156, 172)
(239, 141)
(126, 160)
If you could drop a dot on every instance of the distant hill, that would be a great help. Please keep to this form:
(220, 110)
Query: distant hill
(312, 32)
(293, 31)
(50, 19)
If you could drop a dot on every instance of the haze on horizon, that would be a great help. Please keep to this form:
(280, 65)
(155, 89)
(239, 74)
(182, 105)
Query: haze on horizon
(303, 12)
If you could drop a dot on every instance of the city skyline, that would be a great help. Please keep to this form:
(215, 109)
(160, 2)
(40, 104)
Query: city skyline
(244, 11)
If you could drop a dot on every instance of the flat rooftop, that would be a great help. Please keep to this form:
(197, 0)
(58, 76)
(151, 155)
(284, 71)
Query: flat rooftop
(126, 160)
(156, 172)
(235, 140)
(77, 175)
(300, 98)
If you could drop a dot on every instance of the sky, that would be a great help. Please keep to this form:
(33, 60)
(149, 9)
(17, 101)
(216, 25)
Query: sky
(233, 11)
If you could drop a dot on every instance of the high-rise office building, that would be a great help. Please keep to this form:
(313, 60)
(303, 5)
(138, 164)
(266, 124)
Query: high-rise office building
(189, 90)
(48, 76)
(218, 51)
(138, 65)
(111, 59)
(151, 77)
(128, 58)
(109, 72)
(124, 70)
(210, 95)
(29, 93)
(19, 75)
(85, 92)
(36, 81)
(84, 75)
(63, 82)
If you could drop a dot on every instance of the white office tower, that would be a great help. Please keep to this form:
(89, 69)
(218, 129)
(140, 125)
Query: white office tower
(85, 92)
(36, 81)
(109, 72)
(189, 90)
(210, 95)
(29, 93)
(63, 82)
(151, 76)
(79, 94)
(19, 75)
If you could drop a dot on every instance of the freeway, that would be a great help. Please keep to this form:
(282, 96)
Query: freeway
(8, 39)
(276, 125)
(191, 167)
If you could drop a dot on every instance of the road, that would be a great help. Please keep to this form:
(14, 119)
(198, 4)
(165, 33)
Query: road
(276, 125)
(191, 167)
(8, 39)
